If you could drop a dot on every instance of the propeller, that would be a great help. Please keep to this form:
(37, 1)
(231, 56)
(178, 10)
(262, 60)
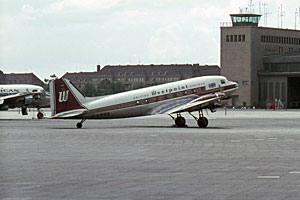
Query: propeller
(221, 88)
(225, 106)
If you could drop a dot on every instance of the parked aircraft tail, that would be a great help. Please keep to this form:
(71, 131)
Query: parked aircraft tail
(66, 100)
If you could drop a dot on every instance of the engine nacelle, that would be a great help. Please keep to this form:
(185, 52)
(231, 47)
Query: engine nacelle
(4, 107)
(28, 100)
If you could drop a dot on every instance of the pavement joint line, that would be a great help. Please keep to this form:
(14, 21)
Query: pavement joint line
(289, 140)
(272, 138)
(294, 172)
(268, 177)
(259, 139)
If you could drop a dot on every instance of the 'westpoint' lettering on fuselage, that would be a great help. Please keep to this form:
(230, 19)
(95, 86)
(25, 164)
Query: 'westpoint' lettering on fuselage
(169, 90)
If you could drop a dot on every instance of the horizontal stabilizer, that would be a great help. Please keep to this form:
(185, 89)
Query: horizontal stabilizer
(68, 114)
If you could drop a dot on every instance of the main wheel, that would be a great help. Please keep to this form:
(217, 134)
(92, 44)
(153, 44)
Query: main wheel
(79, 125)
(180, 121)
(202, 122)
(40, 115)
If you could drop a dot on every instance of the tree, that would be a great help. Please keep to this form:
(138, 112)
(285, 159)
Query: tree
(106, 87)
(89, 90)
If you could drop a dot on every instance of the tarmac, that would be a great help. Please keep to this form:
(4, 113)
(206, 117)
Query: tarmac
(248, 154)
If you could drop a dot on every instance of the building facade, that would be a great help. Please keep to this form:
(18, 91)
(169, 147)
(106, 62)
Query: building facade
(20, 78)
(2, 77)
(135, 76)
(264, 61)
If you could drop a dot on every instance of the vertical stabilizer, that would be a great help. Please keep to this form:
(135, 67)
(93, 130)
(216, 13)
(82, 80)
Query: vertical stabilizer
(64, 97)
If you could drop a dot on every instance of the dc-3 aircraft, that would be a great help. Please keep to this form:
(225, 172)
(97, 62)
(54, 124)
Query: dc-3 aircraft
(195, 94)
(23, 96)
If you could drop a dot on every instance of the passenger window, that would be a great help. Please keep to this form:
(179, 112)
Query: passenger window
(212, 85)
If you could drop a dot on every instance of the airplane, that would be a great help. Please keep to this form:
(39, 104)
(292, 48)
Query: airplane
(194, 94)
(23, 96)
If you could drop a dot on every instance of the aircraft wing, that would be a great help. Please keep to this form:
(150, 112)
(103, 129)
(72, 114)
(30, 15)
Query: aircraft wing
(199, 103)
(15, 97)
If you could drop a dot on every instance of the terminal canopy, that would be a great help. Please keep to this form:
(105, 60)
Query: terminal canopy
(245, 19)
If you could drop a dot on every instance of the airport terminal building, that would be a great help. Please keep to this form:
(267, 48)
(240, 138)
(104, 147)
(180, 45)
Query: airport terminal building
(264, 61)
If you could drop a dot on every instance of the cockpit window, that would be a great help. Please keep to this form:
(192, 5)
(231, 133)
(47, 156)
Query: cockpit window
(223, 81)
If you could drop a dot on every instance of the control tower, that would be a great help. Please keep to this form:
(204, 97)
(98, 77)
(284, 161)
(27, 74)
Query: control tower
(246, 50)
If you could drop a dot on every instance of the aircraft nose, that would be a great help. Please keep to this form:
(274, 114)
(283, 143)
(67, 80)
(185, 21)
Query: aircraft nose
(236, 84)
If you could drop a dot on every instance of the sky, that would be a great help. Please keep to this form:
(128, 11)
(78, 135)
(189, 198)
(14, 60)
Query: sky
(58, 36)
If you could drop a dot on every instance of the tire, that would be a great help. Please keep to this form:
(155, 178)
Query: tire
(202, 122)
(40, 115)
(79, 125)
(180, 122)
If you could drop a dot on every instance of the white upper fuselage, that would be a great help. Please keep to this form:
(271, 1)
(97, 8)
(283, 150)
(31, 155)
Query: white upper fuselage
(209, 83)
(11, 89)
(156, 99)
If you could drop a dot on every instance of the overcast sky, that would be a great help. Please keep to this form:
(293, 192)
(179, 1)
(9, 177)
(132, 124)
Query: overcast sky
(58, 36)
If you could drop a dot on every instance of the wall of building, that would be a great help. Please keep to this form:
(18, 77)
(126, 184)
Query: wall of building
(135, 76)
(2, 77)
(271, 88)
(243, 61)
(236, 60)
(20, 78)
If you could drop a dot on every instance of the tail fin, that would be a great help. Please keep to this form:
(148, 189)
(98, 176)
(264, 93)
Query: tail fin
(64, 97)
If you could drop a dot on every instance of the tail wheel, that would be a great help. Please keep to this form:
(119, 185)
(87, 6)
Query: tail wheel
(180, 121)
(79, 125)
(40, 115)
(202, 122)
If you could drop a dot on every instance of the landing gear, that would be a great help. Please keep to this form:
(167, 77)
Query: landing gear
(24, 110)
(40, 115)
(201, 120)
(79, 124)
(179, 120)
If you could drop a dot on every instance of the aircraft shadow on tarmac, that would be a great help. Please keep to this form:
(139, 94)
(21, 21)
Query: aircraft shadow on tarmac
(133, 127)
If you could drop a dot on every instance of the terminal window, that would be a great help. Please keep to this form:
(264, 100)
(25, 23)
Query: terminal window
(280, 40)
(235, 38)
(245, 83)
